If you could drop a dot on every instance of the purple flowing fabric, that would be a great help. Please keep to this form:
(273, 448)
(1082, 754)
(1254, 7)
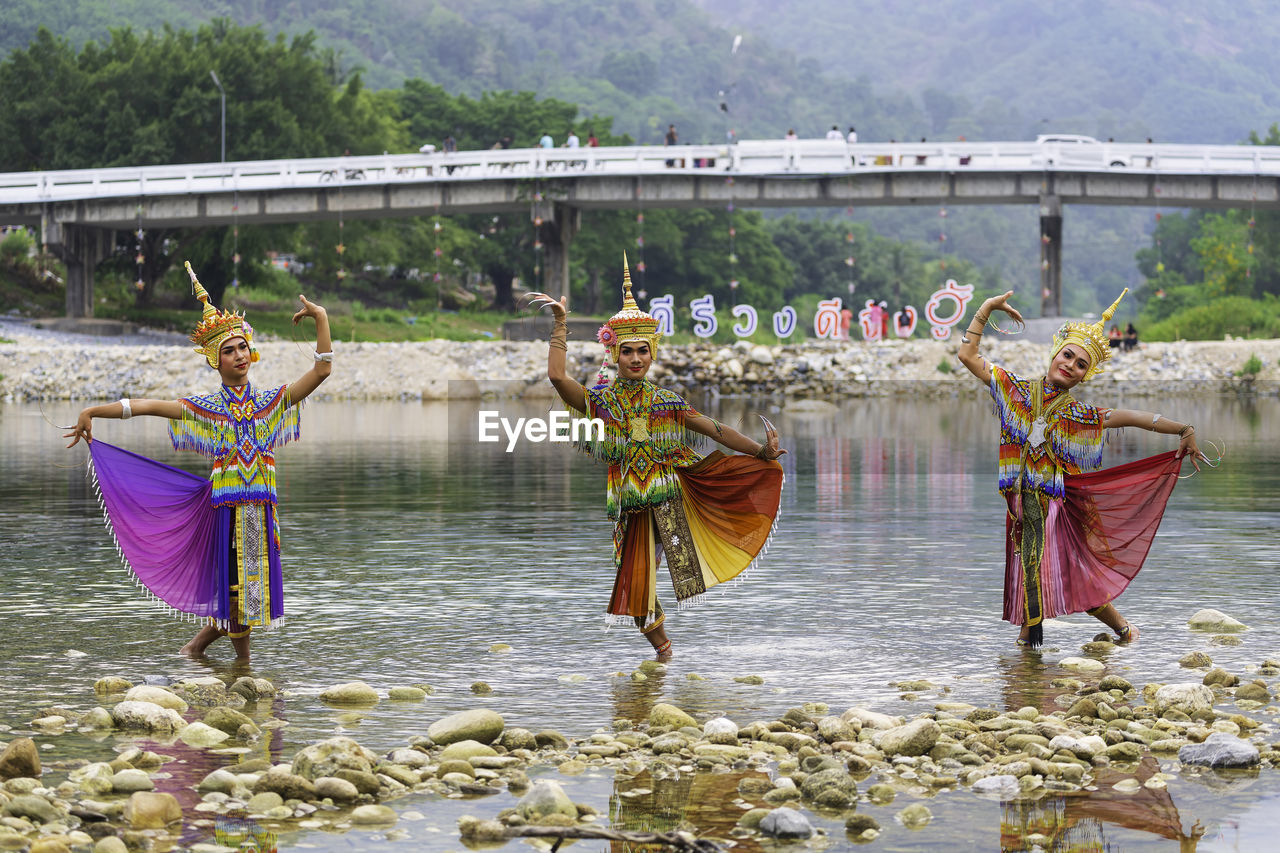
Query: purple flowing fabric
(165, 527)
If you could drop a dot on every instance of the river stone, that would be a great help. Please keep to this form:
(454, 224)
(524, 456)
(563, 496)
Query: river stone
(465, 750)
(129, 781)
(1219, 677)
(721, 730)
(831, 788)
(513, 739)
(1195, 660)
(857, 824)
(455, 765)
(834, 729)
(111, 684)
(1220, 750)
(407, 694)
(289, 786)
(1254, 691)
(33, 808)
(50, 844)
(338, 790)
(409, 757)
(263, 802)
(1076, 746)
(915, 816)
(157, 696)
(226, 719)
(148, 716)
(328, 756)
(97, 719)
(1125, 751)
(1082, 664)
(253, 689)
(663, 714)
(786, 822)
(545, 797)
(352, 693)
(372, 815)
(1115, 682)
(751, 818)
(201, 735)
(872, 719)
(220, 780)
(914, 738)
(365, 783)
(1187, 698)
(110, 844)
(480, 725)
(748, 679)
(206, 691)
(1004, 785)
(1215, 621)
(151, 810)
(20, 759)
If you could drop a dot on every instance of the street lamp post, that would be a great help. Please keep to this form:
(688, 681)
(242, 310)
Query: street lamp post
(223, 93)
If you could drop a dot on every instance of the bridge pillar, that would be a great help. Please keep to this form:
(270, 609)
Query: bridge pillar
(81, 249)
(559, 224)
(1050, 256)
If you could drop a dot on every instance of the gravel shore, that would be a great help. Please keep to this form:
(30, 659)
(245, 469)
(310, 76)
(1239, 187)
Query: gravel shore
(44, 365)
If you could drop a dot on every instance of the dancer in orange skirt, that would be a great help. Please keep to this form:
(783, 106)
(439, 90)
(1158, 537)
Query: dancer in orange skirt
(709, 517)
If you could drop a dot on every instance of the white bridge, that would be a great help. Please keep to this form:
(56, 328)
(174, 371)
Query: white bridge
(79, 211)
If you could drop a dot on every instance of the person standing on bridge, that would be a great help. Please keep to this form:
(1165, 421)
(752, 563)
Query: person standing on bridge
(710, 518)
(209, 548)
(1073, 540)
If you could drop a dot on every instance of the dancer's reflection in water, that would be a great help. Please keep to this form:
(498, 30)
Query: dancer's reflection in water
(674, 793)
(1079, 821)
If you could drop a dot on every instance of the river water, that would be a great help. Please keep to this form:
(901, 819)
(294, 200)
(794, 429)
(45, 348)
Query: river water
(410, 549)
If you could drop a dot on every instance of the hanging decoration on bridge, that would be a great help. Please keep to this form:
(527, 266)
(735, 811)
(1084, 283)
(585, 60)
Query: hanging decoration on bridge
(733, 255)
(235, 238)
(537, 236)
(942, 238)
(640, 265)
(138, 257)
(341, 248)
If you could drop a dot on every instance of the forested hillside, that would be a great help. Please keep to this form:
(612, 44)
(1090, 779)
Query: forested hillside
(1178, 70)
(126, 82)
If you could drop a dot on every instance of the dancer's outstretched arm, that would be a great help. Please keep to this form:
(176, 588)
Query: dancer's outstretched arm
(121, 410)
(573, 394)
(320, 371)
(969, 341)
(1186, 433)
(734, 440)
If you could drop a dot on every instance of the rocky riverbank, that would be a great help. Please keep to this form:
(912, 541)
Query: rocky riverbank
(41, 365)
(787, 777)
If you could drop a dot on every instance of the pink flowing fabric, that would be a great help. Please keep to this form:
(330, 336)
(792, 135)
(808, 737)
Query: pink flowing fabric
(165, 527)
(1097, 537)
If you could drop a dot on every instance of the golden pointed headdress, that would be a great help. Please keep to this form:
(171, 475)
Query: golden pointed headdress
(630, 324)
(1091, 337)
(217, 327)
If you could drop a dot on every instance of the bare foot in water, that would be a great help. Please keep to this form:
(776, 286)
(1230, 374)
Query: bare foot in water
(1128, 634)
(664, 655)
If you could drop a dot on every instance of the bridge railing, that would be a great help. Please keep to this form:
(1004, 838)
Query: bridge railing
(805, 158)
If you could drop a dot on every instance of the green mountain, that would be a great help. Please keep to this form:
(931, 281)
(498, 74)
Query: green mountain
(1177, 70)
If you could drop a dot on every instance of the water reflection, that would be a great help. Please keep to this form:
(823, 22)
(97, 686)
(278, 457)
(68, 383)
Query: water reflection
(409, 550)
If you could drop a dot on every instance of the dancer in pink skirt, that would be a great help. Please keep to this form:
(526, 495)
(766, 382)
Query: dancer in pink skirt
(1074, 540)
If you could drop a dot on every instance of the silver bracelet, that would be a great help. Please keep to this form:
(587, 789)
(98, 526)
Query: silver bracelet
(125, 411)
(324, 356)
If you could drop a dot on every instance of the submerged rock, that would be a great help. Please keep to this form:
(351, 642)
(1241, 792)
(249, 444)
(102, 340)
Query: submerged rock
(351, 693)
(1215, 621)
(480, 725)
(1195, 660)
(20, 759)
(1220, 750)
(150, 810)
(544, 798)
(670, 716)
(786, 822)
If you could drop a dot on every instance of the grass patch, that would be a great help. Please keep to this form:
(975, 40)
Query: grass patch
(944, 366)
(1252, 367)
(1238, 316)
